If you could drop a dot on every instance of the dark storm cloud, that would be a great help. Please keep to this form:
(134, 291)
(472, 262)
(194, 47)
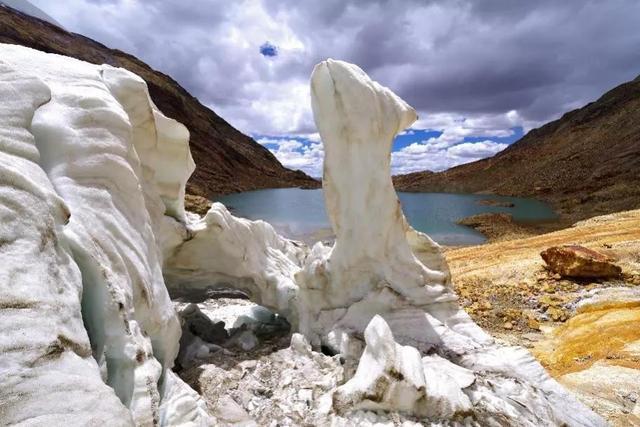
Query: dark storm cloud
(463, 58)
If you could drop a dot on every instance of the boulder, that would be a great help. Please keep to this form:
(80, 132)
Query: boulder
(200, 325)
(578, 261)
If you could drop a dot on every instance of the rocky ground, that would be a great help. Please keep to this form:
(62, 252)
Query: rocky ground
(585, 332)
(499, 227)
(272, 379)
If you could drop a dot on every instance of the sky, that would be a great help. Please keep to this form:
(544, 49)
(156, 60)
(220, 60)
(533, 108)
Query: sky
(480, 73)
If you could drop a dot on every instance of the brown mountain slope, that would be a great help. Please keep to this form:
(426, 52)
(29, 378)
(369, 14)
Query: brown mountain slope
(585, 163)
(226, 160)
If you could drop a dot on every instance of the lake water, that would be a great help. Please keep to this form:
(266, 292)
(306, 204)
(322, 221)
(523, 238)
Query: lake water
(300, 214)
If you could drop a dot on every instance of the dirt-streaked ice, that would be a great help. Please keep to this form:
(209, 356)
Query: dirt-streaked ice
(93, 229)
(89, 332)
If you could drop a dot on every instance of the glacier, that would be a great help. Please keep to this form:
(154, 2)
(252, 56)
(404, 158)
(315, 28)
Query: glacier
(94, 235)
(91, 171)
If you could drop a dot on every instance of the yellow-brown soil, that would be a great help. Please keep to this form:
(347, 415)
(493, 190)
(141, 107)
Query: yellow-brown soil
(594, 349)
(617, 235)
(592, 336)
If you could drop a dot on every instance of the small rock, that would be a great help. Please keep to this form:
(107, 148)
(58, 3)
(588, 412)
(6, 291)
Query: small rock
(552, 300)
(533, 323)
(230, 412)
(196, 322)
(496, 203)
(300, 344)
(557, 314)
(248, 364)
(578, 261)
(532, 337)
(370, 416)
(247, 340)
(263, 322)
(508, 325)
(202, 352)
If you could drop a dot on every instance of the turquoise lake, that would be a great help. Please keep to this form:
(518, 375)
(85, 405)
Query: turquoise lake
(300, 214)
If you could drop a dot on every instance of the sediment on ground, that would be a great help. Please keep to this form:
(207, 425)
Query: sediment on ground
(583, 331)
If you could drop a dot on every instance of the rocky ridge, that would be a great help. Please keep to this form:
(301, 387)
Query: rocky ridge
(586, 163)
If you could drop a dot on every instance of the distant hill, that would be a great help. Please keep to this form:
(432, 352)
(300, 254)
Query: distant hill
(26, 7)
(585, 163)
(226, 159)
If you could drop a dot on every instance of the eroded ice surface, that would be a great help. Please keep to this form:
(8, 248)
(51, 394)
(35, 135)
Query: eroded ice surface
(93, 230)
(89, 332)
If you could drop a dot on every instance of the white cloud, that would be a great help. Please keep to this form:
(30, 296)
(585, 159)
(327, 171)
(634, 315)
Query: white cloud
(436, 156)
(272, 108)
(305, 155)
(475, 150)
(432, 154)
(267, 141)
(315, 137)
(455, 127)
(505, 70)
(506, 63)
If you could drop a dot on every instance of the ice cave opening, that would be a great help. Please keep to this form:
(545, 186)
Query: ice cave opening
(224, 325)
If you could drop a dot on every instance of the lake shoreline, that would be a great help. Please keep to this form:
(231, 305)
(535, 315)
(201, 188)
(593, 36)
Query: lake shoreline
(300, 214)
(491, 228)
(500, 226)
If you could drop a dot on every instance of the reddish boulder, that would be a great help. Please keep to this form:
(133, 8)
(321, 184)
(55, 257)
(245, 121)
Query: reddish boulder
(578, 261)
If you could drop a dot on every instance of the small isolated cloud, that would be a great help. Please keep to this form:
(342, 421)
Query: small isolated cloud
(268, 49)
(476, 150)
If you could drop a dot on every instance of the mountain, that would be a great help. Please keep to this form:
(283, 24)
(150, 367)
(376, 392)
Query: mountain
(226, 160)
(26, 7)
(584, 164)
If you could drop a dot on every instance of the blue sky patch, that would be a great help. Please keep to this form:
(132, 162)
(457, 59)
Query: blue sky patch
(410, 152)
(269, 50)
(410, 136)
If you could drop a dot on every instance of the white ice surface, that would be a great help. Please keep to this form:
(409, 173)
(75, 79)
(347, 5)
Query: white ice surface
(86, 182)
(92, 179)
(47, 374)
(383, 274)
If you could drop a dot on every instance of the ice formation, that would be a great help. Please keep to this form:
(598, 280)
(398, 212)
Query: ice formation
(249, 255)
(381, 297)
(372, 277)
(94, 232)
(90, 169)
